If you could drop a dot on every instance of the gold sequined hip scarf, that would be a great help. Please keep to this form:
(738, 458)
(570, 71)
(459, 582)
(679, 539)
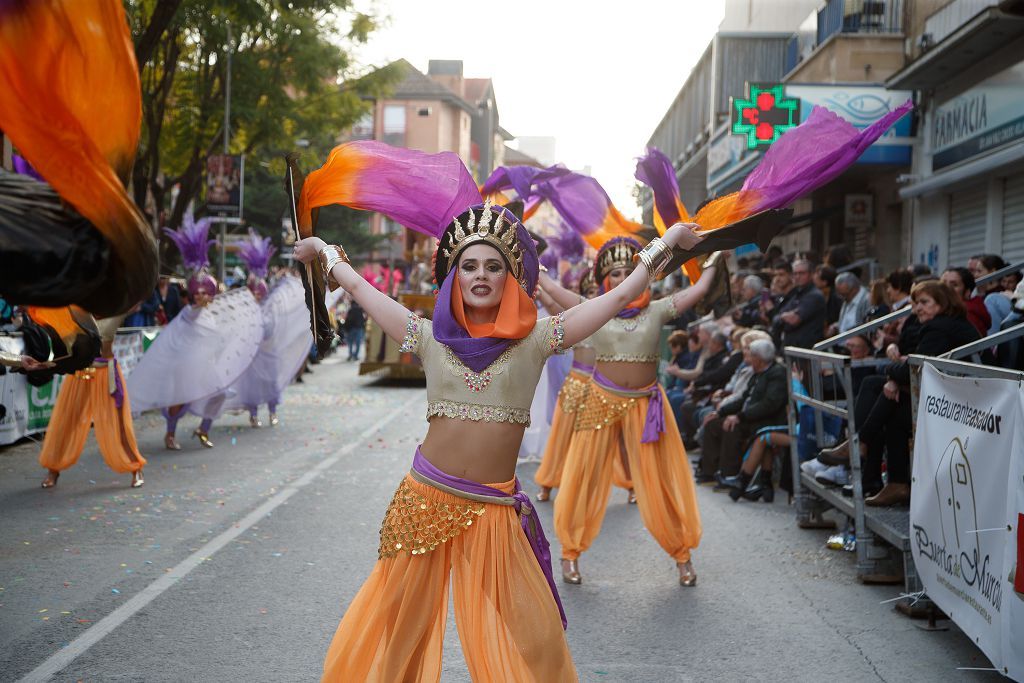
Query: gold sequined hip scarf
(603, 407)
(573, 393)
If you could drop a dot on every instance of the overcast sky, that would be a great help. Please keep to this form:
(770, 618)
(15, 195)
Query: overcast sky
(598, 80)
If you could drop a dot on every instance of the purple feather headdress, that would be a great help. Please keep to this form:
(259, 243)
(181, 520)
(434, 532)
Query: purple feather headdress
(567, 244)
(256, 253)
(191, 240)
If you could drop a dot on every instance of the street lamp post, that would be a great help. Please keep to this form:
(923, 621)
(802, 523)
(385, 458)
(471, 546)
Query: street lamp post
(227, 138)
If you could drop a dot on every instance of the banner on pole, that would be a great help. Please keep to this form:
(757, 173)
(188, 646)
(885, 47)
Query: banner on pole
(963, 528)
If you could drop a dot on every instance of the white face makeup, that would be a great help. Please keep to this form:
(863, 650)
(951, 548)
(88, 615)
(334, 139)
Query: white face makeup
(482, 274)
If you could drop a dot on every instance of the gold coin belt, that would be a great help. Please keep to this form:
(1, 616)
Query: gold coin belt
(573, 394)
(600, 410)
(417, 525)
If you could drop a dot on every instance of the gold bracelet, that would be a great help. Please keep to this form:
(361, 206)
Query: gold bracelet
(655, 256)
(330, 256)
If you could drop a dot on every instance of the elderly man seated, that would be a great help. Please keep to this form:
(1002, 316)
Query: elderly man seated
(763, 403)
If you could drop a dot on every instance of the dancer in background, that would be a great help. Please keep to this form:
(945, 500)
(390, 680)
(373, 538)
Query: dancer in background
(91, 397)
(198, 356)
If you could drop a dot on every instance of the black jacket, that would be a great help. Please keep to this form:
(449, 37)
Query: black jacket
(808, 303)
(764, 401)
(940, 334)
(716, 378)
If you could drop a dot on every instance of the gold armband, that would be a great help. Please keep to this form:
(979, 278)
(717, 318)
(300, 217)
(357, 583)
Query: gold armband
(655, 256)
(330, 256)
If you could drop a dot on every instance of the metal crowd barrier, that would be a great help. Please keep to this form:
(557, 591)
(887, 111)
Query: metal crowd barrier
(873, 266)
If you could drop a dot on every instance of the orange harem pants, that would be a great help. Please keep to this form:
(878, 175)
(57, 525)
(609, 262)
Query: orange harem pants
(85, 400)
(507, 619)
(572, 394)
(665, 490)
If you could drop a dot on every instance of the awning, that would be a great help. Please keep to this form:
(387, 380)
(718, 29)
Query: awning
(966, 171)
(986, 33)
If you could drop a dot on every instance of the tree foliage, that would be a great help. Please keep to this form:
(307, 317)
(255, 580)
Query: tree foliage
(292, 80)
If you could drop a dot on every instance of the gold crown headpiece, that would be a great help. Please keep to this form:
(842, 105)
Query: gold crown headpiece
(495, 228)
(587, 281)
(616, 255)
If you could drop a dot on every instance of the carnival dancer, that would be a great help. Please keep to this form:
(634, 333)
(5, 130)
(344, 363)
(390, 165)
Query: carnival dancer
(624, 412)
(195, 359)
(91, 397)
(482, 355)
(286, 337)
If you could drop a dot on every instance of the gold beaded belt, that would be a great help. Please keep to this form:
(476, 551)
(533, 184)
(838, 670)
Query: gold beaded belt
(416, 524)
(573, 393)
(603, 406)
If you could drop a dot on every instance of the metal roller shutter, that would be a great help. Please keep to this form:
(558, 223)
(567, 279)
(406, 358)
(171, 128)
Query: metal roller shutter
(1013, 219)
(967, 210)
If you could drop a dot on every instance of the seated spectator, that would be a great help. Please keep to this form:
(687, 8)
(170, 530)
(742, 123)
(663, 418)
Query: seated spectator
(758, 464)
(718, 366)
(855, 303)
(763, 403)
(997, 303)
(878, 305)
(749, 314)
(882, 409)
(685, 350)
(839, 256)
(825, 280)
(1011, 354)
(800, 320)
(961, 281)
(897, 290)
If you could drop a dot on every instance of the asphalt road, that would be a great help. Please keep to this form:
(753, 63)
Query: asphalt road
(236, 563)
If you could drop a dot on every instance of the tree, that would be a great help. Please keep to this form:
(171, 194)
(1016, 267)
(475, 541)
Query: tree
(291, 79)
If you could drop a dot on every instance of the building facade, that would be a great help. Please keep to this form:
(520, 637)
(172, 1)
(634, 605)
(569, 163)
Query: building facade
(965, 192)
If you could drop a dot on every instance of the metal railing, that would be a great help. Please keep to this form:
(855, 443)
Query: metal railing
(872, 325)
(975, 348)
(859, 16)
(873, 266)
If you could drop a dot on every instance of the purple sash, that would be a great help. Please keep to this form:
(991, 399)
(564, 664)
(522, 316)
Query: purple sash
(118, 390)
(654, 420)
(582, 367)
(520, 501)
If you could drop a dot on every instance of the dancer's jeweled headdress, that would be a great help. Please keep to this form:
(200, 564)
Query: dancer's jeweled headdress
(617, 252)
(491, 225)
(193, 243)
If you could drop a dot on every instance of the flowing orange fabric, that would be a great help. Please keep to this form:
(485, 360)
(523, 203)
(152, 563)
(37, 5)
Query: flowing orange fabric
(84, 401)
(70, 101)
(661, 476)
(508, 623)
(517, 314)
(67, 321)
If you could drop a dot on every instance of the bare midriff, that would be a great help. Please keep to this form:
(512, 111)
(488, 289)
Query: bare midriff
(629, 374)
(586, 355)
(484, 452)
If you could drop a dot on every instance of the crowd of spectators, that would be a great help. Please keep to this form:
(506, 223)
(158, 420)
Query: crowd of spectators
(727, 384)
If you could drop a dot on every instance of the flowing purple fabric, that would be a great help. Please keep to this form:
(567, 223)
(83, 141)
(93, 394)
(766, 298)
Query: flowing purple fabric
(528, 519)
(477, 353)
(654, 420)
(22, 167)
(812, 154)
(520, 179)
(656, 171)
(118, 393)
(582, 367)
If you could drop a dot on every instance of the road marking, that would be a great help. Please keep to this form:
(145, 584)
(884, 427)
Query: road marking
(98, 631)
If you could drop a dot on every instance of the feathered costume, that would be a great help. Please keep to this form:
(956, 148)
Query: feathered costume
(198, 356)
(286, 335)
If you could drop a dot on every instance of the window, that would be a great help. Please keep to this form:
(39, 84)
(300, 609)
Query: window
(423, 111)
(394, 125)
(363, 129)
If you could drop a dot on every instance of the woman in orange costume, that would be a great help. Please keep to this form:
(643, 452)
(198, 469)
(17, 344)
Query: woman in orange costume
(482, 355)
(93, 396)
(570, 396)
(625, 412)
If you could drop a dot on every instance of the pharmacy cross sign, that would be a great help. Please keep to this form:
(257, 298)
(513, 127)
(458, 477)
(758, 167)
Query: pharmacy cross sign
(765, 115)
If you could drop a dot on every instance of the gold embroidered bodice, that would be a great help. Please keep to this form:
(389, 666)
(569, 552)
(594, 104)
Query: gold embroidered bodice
(502, 392)
(634, 340)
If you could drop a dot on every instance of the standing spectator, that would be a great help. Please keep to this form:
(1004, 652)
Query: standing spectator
(839, 256)
(144, 313)
(855, 303)
(801, 318)
(961, 281)
(825, 280)
(997, 303)
(355, 329)
(170, 300)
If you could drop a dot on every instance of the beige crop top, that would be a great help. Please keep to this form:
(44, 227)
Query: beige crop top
(501, 393)
(634, 340)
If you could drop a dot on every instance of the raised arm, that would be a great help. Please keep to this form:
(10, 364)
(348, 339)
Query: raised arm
(385, 311)
(583, 320)
(565, 298)
(685, 299)
(550, 305)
